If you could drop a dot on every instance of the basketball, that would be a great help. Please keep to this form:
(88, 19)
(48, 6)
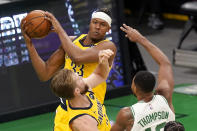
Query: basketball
(36, 24)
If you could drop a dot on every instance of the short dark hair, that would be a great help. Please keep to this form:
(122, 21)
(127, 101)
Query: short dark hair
(105, 10)
(174, 126)
(145, 81)
(63, 84)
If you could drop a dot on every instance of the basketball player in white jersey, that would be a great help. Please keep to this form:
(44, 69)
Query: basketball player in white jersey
(154, 107)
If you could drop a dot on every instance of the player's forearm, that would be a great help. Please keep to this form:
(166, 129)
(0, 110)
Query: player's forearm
(154, 51)
(102, 70)
(38, 64)
(71, 49)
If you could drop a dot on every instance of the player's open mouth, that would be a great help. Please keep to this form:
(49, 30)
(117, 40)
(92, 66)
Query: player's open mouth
(95, 33)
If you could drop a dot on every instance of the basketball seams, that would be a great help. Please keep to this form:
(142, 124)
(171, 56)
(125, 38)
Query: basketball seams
(37, 26)
(26, 24)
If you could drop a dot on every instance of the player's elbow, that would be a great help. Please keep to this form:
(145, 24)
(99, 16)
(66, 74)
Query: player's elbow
(166, 63)
(43, 79)
(104, 76)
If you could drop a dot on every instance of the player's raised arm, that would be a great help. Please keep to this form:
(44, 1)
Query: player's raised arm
(44, 70)
(165, 73)
(78, 55)
(101, 72)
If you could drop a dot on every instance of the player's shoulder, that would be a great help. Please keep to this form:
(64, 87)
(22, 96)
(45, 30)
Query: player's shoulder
(106, 41)
(125, 118)
(72, 37)
(79, 36)
(125, 113)
(106, 44)
(161, 98)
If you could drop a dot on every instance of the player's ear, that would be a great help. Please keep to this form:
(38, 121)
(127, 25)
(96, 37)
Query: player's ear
(109, 28)
(76, 91)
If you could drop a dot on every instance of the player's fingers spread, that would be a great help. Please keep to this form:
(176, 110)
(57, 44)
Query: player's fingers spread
(25, 28)
(126, 26)
(47, 18)
(123, 29)
(25, 35)
(47, 14)
(23, 21)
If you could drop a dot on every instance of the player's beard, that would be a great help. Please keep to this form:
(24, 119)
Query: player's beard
(85, 90)
(95, 40)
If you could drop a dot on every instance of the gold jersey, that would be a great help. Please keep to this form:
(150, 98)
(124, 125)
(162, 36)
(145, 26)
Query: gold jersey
(95, 110)
(85, 70)
(61, 118)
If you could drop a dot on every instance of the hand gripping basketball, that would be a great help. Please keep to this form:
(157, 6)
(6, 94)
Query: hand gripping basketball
(36, 25)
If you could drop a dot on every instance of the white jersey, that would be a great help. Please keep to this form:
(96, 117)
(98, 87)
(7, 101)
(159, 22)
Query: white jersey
(153, 115)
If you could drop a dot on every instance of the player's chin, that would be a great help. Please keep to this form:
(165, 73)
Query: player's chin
(97, 37)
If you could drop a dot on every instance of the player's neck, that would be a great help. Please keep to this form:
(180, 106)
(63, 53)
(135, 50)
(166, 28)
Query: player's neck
(146, 97)
(89, 41)
(80, 101)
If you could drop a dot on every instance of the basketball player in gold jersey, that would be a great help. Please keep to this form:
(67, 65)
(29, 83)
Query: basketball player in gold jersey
(84, 111)
(79, 54)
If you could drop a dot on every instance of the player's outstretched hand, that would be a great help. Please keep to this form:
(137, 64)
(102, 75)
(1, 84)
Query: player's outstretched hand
(23, 30)
(131, 33)
(104, 56)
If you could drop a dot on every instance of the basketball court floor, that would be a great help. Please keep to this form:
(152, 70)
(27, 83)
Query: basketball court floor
(185, 104)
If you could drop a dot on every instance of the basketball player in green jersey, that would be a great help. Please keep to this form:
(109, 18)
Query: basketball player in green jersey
(152, 111)
(80, 55)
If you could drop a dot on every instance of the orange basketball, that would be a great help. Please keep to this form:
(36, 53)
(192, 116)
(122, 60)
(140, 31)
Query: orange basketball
(36, 24)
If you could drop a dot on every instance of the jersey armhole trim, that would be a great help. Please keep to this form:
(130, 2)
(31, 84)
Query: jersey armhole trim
(63, 104)
(132, 112)
(77, 36)
(81, 115)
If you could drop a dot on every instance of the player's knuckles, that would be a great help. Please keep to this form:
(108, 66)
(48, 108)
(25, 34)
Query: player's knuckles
(106, 56)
